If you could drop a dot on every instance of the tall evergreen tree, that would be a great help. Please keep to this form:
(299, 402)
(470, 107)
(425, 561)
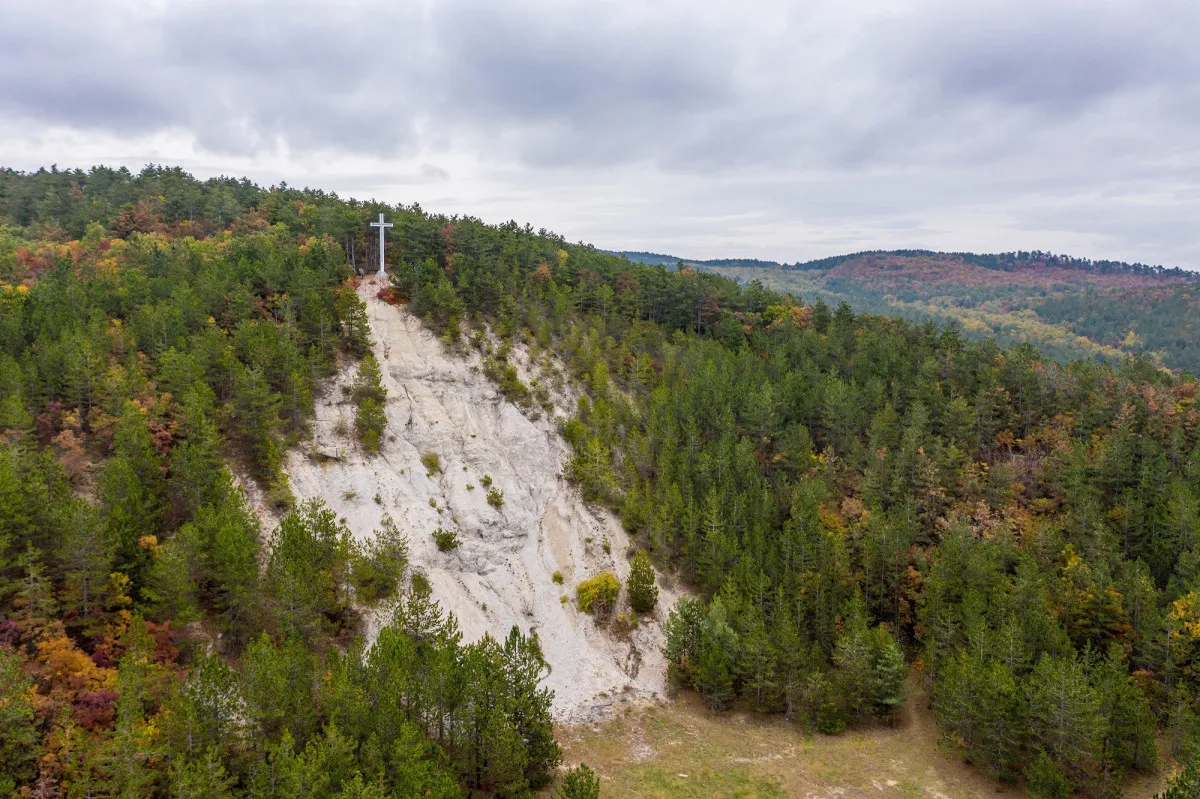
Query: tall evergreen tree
(643, 593)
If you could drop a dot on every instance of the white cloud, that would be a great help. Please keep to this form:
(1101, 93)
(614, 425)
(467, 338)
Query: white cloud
(767, 129)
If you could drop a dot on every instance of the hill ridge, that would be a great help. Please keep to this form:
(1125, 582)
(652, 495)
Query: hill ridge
(1002, 261)
(1069, 307)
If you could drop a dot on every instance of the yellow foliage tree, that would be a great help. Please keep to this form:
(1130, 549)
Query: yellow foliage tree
(599, 593)
(1183, 623)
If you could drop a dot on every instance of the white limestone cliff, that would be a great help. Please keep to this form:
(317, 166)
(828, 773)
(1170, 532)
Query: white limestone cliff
(502, 572)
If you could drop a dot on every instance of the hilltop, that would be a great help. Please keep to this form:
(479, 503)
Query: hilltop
(1069, 307)
(267, 529)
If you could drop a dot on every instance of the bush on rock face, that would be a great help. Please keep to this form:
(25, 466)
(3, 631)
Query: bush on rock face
(446, 540)
(598, 594)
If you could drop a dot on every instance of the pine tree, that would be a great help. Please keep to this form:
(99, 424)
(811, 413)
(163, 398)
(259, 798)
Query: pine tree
(369, 380)
(854, 656)
(756, 666)
(889, 675)
(198, 475)
(370, 419)
(824, 701)
(1130, 725)
(257, 409)
(530, 705)
(203, 715)
(579, 783)
(201, 777)
(980, 711)
(34, 601)
(414, 768)
(277, 684)
(327, 763)
(131, 753)
(229, 537)
(86, 557)
(358, 788)
(380, 566)
(643, 593)
(20, 742)
(1045, 780)
(790, 655)
(713, 674)
(308, 571)
(592, 469)
(131, 505)
(169, 588)
(491, 757)
(684, 632)
(1065, 719)
(716, 549)
(715, 655)
(356, 327)
(999, 720)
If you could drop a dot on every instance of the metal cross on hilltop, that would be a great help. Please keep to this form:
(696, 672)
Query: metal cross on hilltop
(383, 226)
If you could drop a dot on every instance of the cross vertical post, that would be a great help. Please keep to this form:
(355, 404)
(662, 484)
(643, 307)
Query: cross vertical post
(383, 226)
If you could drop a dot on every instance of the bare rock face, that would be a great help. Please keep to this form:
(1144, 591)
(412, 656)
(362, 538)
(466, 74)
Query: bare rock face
(501, 574)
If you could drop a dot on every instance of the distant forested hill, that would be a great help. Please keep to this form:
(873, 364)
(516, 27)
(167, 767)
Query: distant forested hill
(657, 259)
(1070, 307)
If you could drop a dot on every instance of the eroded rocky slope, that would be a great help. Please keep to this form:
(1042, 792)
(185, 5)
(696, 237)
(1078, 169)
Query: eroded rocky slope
(502, 573)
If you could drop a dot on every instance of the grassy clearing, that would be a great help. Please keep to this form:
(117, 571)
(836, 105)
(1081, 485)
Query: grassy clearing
(680, 750)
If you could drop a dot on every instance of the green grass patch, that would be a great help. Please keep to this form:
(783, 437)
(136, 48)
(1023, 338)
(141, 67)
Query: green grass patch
(735, 783)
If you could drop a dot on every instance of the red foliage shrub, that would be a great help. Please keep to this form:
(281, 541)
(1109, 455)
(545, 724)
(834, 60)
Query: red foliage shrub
(163, 434)
(49, 421)
(95, 708)
(165, 650)
(69, 447)
(143, 217)
(190, 227)
(104, 655)
(10, 632)
(391, 295)
(253, 221)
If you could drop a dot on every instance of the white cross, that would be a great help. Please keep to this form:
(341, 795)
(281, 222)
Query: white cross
(383, 226)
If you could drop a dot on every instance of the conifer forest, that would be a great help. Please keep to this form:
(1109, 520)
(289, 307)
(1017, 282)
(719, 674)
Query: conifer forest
(857, 507)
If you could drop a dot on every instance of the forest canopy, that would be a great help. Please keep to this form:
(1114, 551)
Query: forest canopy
(850, 498)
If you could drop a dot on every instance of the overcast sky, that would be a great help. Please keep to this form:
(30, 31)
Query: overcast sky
(781, 130)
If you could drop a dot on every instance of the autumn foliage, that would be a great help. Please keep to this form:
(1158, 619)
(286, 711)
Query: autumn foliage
(391, 295)
(855, 504)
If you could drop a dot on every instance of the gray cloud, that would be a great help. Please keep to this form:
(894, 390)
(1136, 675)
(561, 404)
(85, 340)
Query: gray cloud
(922, 123)
(1057, 57)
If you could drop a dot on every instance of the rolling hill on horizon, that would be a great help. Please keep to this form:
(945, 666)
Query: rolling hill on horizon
(1069, 307)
